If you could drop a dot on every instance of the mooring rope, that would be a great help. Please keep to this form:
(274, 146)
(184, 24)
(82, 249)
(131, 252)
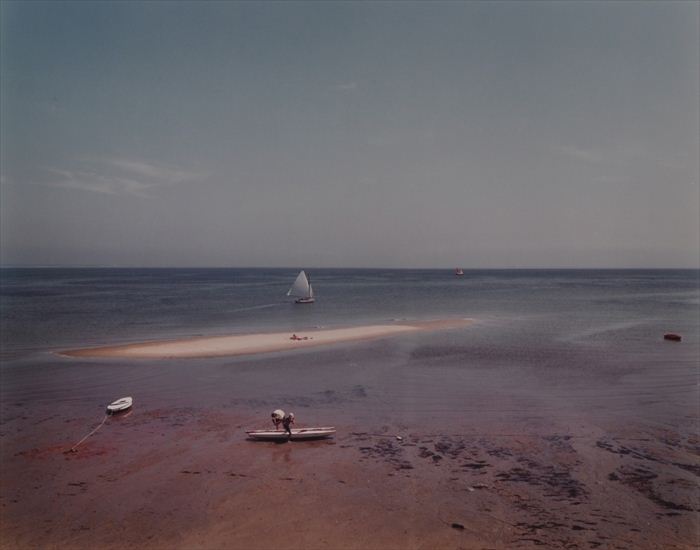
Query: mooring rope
(74, 447)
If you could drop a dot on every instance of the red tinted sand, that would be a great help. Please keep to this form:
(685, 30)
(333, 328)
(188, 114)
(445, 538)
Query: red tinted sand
(187, 478)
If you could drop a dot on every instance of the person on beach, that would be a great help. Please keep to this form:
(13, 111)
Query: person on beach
(277, 418)
(287, 421)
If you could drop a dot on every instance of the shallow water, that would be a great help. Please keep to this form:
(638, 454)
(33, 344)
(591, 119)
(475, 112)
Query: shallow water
(545, 343)
(560, 418)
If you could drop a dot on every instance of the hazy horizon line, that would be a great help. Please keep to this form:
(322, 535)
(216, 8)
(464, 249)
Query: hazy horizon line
(315, 268)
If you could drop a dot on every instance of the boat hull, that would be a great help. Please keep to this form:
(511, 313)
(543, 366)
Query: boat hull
(120, 405)
(305, 301)
(298, 434)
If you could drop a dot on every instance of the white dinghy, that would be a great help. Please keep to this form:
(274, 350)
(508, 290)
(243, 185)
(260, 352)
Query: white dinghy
(120, 405)
(298, 434)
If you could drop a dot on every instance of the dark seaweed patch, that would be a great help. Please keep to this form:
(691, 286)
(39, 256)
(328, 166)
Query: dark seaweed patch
(642, 480)
(558, 482)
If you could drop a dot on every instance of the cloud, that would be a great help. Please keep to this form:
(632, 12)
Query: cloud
(125, 177)
(587, 155)
(98, 183)
(155, 172)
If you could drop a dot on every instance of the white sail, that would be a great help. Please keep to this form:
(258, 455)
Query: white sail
(301, 287)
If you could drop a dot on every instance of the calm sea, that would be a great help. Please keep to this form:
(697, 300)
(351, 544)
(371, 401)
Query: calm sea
(545, 342)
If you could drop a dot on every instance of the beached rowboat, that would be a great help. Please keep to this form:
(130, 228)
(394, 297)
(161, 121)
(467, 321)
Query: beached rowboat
(297, 434)
(120, 405)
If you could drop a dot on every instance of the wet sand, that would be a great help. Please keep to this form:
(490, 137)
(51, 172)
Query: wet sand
(248, 344)
(188, 478)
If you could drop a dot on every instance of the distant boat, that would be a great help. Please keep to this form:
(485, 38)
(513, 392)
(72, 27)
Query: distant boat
(297, 434)
(459, 272)
(301, 289)
(120, 405)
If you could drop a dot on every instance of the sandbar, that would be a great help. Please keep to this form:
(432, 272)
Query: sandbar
(248, 344)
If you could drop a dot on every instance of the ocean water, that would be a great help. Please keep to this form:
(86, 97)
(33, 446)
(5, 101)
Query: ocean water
(545, 343)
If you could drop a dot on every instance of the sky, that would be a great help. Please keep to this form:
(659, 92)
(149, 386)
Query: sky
(399, 134)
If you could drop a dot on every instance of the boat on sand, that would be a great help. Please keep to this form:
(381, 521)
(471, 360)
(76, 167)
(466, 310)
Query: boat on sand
(120, 405)
(298, 434)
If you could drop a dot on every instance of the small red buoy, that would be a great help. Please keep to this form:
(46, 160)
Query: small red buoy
(673, 337)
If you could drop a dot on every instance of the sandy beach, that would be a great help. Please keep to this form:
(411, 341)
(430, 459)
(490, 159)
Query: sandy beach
(248, 344)
(145, 481)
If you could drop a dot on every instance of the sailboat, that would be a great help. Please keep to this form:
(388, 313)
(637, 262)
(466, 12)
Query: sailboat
(301, 289)
(459, 272)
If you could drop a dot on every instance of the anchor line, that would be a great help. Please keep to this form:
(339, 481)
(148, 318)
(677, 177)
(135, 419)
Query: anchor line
(74, 447)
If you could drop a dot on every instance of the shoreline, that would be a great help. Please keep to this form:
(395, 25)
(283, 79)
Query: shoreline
(250, 344)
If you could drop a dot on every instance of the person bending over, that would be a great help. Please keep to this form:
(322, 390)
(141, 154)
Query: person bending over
(277, 418)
